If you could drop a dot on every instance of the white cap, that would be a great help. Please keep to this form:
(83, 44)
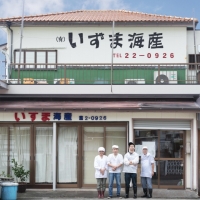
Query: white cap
(144, 147)
(115, 147)
(101, 149)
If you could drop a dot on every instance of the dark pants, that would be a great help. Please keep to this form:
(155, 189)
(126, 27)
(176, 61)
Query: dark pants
(129, 177)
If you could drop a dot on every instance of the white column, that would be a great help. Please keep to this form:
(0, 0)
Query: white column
(130, 130)
(54, 156)
(194, 149)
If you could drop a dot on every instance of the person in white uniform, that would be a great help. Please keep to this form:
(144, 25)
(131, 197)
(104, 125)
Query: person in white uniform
(147, 171)
(115, 162)
(131, 160)
(101, 167)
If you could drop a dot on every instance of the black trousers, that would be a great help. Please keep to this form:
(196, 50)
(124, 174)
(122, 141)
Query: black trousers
(129, 177)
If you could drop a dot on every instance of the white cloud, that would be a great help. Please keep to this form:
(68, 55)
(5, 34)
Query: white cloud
(11, 8)
(158, 8)
(104, 4)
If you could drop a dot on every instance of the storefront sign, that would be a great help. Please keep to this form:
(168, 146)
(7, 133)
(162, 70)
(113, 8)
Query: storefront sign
(130, 44)
(55, 116)
(44, 116)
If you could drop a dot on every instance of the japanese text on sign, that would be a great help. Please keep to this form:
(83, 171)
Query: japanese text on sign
(44, 116)
(135, 40)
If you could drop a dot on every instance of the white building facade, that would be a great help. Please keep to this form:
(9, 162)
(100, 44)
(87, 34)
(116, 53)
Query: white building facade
(86, 81)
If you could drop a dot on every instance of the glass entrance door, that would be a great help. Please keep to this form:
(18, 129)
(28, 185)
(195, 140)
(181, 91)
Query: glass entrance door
(4, 161)
(93, 138)
(97, 136)
(67, 143)
(167, 148)
(43, 155)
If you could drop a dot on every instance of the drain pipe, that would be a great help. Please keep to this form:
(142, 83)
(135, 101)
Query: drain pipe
(11, 51)
(11, 46)
(195, 46)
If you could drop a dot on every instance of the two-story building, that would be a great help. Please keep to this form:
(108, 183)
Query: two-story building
(85, 79)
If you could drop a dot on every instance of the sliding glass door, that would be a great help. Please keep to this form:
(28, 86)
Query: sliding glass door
(43, 155)
(67, 143)
(97, 136)
(4, 159)
(167, 146)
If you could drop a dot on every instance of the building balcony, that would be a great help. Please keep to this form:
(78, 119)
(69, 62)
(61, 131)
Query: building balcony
(104, 74)
(104, 80)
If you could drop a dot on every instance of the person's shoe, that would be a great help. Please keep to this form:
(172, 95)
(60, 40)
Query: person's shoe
(102, 194)
(109, 197)
(119, 197)
(99, 194)
(126, 196)
(145, 193)
(135, 193)
(150, 194)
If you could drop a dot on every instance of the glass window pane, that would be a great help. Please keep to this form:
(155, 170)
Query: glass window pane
(30, 58)
(147, 138)
(171, 144)
(17, 59)
(3, 149)
(43, 155)
(67, 155)
(51, 57)
(116, 135)
(20, 146)
(41, 58)
(171, 172)
(93, 138)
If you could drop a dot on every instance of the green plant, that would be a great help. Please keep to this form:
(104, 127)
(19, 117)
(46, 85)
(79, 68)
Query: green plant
(4, 175)
(19, 171)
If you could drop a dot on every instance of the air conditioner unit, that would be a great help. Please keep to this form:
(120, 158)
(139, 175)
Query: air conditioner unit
(14, 81)
(165, 77)
(62, 80)
(134, 81)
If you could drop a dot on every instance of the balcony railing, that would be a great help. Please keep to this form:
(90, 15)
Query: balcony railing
(93, 74)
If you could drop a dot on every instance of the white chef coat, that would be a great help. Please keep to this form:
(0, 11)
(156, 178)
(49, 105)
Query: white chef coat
(134, 157)
(115, 160)
(100, 163)
(146, 165)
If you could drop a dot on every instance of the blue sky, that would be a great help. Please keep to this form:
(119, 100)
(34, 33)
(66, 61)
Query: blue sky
(181, 8)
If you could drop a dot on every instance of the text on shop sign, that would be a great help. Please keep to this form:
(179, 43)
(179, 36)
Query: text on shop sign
(44, 116)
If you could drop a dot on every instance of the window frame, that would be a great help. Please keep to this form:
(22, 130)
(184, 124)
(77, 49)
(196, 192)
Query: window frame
(35, 59)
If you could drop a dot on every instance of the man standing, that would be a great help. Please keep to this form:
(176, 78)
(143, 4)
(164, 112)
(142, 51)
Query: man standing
(131, 160)
(147, 171)
(115, 161)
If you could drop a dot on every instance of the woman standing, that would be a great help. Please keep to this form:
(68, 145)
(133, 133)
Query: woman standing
(100, 165)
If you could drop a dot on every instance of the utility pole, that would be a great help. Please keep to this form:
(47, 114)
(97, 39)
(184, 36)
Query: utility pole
(22, 27)
(111, 73)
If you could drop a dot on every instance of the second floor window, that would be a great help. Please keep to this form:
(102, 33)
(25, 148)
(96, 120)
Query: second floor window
(36, 59)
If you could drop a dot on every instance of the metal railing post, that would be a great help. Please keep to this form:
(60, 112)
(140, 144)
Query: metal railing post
(65, 73)
(18, 73)
(159, 73)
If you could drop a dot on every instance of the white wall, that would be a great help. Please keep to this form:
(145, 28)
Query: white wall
(190, 41)
(102, 89)
(173, 41)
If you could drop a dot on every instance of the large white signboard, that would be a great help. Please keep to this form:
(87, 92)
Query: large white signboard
(94, 44)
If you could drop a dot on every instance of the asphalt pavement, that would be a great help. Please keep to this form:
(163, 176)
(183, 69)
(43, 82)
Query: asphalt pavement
(60, 194)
